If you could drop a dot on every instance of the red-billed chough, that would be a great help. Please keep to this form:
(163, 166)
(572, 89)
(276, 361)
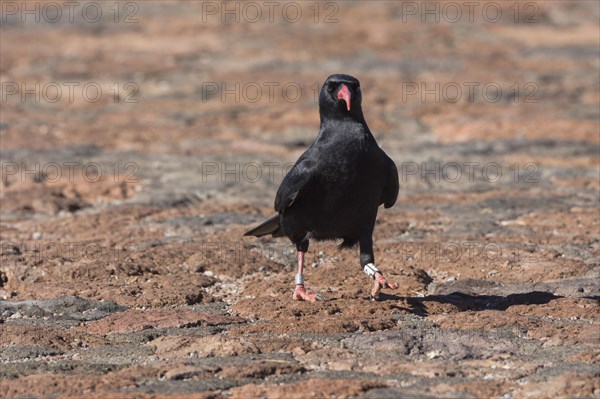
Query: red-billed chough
(334, 189)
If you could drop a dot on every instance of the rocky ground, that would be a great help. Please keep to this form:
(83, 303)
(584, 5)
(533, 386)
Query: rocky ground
(137, 148)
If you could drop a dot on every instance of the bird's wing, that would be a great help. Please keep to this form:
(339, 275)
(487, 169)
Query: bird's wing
(392, 185)
(294, 183)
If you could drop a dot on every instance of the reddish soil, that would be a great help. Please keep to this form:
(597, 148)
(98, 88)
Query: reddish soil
(124, 272)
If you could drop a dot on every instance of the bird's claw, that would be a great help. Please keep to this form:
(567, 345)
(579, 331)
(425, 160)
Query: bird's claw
(380, 283)
(300, 294)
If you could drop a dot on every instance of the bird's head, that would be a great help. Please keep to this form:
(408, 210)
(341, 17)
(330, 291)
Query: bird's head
(340, 97)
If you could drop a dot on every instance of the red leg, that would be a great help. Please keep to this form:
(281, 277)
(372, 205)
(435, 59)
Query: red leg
(300, 293)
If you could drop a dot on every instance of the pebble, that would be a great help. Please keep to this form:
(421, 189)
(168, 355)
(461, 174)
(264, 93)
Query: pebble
(16, 315)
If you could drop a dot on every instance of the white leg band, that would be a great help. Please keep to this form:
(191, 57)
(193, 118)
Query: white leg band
(299, 279)
(370, 269)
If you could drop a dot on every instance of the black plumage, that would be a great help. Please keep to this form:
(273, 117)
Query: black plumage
(336, 187)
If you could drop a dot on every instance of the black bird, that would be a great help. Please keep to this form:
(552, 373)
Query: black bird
(334, 189)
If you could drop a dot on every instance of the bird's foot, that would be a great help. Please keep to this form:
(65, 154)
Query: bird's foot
(300, 294)
(380, 283)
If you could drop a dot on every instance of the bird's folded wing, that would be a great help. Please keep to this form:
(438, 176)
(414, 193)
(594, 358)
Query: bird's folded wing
(294, 183)
(392, 185)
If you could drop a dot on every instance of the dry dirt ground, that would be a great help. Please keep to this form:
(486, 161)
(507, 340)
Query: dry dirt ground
(124, 272)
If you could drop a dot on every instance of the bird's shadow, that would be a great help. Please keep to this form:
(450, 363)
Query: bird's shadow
(468, 302)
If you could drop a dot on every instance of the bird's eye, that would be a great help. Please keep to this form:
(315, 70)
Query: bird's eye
(329, 88)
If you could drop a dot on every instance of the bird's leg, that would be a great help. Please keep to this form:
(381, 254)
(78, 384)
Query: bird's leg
(300, 293)
(367, 261)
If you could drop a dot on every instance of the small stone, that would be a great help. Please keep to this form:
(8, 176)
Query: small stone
(16, 315)
(183, 373)
(298, 351)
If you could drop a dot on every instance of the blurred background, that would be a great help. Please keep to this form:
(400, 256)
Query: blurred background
(140, 139)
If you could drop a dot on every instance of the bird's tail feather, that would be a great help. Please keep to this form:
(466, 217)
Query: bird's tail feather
(271, 226)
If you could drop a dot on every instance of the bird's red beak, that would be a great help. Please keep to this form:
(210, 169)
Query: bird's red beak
(344, 94)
